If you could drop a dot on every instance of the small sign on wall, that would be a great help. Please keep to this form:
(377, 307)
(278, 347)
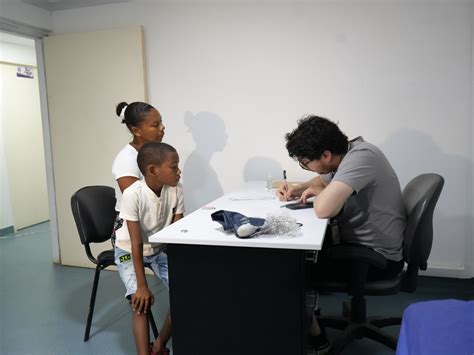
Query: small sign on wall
(24, 72)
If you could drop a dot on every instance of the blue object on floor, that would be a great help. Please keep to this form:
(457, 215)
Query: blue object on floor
(437, 327)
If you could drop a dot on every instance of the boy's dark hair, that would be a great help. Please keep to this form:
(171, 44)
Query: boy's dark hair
(313, 136)
(153, 153)
(134, 113)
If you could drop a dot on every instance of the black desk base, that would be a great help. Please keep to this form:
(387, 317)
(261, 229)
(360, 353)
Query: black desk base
(232, 300)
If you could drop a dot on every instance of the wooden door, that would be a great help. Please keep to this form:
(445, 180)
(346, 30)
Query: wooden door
(87, 75)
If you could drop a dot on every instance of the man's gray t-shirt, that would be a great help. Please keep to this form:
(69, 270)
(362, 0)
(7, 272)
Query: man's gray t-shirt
(374, 215)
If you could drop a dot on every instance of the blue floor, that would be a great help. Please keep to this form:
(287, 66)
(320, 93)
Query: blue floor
(43, 306)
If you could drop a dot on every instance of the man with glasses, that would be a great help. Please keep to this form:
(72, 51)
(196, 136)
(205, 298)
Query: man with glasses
(356, 183)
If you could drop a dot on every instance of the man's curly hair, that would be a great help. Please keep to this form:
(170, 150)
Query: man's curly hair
(313, 136)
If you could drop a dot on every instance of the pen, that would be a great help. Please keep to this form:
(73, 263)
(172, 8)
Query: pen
(285, 181)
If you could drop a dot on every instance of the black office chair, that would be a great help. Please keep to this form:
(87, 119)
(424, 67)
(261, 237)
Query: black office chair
(93, 208)
(420, 197)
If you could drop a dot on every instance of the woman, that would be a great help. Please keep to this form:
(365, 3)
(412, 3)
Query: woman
(146, 125)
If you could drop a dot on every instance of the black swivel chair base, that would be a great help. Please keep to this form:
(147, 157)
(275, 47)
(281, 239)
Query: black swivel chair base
(356, 325)
(420, 196)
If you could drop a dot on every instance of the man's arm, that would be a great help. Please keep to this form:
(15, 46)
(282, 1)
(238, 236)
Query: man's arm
(330, 200)
(316, 185)
(313, 188)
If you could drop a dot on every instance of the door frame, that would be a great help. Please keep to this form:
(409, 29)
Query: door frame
(21, 29)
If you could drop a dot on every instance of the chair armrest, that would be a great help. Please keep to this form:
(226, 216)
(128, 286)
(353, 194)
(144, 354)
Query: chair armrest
(357, 253)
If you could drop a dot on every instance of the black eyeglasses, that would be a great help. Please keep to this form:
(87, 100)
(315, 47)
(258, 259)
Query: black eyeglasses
(304, 165)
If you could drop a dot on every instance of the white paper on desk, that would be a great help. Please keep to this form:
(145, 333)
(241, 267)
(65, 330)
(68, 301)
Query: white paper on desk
(247, 196)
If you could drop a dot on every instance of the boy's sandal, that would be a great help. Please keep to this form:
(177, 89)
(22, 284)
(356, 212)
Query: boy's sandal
(320, 343)
(163, 351)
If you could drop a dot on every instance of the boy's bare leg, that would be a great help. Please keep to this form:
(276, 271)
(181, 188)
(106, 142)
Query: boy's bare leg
(140, 333)
(164, 336)
(314, 329)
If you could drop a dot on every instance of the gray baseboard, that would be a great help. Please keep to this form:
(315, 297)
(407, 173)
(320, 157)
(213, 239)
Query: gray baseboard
(7, 231)
(444, 271)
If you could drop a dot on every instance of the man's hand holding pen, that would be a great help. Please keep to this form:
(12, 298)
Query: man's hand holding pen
(286, 192)
(299, 192)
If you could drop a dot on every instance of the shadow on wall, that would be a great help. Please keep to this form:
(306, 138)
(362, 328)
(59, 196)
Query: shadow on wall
(201, 184)
(262, 168)
(412, 153)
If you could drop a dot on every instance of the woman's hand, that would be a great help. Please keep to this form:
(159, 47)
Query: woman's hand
(142, 300)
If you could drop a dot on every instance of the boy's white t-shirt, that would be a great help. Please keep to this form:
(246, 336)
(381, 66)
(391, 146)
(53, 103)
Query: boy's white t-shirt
(125, 164)
(140, 203)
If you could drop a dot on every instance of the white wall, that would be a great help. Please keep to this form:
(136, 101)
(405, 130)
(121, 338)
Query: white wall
(24, 53)
(6, 217)
(241, 74)
(24, 147)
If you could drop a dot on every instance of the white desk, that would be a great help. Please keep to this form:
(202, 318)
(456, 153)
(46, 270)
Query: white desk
(238, 296)
(198, 229)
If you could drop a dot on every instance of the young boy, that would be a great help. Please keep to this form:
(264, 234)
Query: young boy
(148, 206)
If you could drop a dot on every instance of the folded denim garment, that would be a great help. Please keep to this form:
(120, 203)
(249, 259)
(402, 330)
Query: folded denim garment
(242, 226)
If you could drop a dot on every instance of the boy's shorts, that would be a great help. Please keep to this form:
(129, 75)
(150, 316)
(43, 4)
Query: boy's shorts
(123, 259)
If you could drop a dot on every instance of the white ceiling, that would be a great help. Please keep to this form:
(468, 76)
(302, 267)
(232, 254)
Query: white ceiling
(55, 5)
